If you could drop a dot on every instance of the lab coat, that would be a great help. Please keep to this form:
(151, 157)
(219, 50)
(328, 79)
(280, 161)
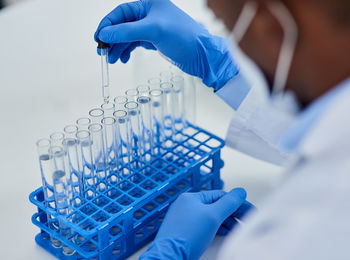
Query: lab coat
(307, 216)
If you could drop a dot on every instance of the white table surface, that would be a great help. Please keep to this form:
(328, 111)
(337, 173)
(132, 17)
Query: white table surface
(49, 76)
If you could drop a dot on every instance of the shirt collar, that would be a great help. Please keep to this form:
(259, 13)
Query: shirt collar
(290, 141)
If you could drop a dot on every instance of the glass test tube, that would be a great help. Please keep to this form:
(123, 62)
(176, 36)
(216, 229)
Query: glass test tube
(120, 102)
(43, 147)
(190, 95)
(57, 139)
(110, 148)
(146, 126)
(123, 146)
(108, 109)
(179, 109)
(70, 131)
(166, 76)
(132, 94)
(155, 83)
(168, 109)
(75, 168)
(96, 115)
(104, 47)
(99, 161)
(143, 90)
(87, 167)
(83, 123)
(136, 144)
(62, 192)
(157, 98)
(190, 99)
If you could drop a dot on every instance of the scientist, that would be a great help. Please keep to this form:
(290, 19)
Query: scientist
(302, 49)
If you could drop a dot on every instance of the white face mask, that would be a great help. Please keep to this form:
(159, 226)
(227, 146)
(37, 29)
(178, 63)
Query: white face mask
(280, 99)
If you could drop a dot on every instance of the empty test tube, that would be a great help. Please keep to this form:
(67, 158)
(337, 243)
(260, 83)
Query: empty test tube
(108, 109)
(154, 83)
(132, 94)
(110, 147)
(146, 126)
(99, 161)
(179, 109)
(157, 99)
(123, 145)
(75, 169)
(143, 90)
(57, 139)
(83, 123)
(166, 76)
(119, 102)
(87, 167)
(136, 144)
(43, 148)
(168, 110)
(104, 47)
(70, 131)
(96, 115)
(62, 192)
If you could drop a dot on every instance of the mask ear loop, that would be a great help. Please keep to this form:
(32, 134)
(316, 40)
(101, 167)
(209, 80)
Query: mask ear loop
(244, 20)
(288, 46)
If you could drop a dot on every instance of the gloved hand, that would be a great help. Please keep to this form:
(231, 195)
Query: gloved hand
(159, 24)
(231, 222)
(192, 222)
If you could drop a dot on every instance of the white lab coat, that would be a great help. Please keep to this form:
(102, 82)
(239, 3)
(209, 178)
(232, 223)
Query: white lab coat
(307, 216)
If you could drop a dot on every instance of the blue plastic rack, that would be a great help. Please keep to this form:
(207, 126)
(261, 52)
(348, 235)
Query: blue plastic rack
(127, 216)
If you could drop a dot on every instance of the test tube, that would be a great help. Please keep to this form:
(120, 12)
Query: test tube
(104, 47)
(83, 123)
(57, 139)
(146, 126)
(108, 109)
(190, 96)
(110, 147)
(155, 83)
(62, 192)
(136, 144)
(75, 168)
(132, 94)
(96, 115)
(168, 109)
(143, 90)
(87, 167)
(157, 98)
(98, 156)
(120, 102)
(166, 76)
(43, 147)
(123, 145)
(70, 131)
(179, 109)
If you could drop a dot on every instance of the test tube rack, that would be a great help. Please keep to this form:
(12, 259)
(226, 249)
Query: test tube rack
(124, 218)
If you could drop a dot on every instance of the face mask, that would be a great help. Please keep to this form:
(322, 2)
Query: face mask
(279, 99)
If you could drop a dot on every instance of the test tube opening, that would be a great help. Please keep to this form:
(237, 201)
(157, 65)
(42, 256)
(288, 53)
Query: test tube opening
(96, 115)
(143, 90)
(132, 94)
(70, 131)
(83, 123)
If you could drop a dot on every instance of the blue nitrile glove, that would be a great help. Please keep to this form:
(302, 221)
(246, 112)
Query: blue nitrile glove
(159, 24)
(192, 222)
(231, 222)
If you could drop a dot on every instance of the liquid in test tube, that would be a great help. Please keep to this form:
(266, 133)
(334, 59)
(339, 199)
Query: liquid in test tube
(104, 47)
